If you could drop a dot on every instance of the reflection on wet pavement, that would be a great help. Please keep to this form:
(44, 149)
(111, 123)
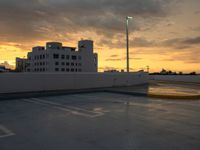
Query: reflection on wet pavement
(173, 89)
(99, 121)
(156, 89)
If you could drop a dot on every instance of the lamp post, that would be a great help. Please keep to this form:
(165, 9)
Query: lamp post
(127, 43)
(148, 69)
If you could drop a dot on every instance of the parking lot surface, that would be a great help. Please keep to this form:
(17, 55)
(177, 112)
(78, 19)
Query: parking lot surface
(99, 121)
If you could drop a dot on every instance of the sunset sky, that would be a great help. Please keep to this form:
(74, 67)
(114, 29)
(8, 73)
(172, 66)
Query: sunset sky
(163, 33)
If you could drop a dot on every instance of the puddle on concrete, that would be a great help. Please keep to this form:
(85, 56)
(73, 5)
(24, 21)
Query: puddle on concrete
(173, 89)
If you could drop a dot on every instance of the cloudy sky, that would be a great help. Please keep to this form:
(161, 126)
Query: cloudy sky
(163, 33)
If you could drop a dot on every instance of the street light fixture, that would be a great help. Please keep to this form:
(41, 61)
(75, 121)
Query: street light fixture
(127, 42)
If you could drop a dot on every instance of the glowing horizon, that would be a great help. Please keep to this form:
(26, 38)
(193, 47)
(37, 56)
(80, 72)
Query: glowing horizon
(162, 34)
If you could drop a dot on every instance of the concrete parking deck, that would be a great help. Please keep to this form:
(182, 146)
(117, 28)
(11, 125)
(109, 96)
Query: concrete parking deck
(99, 121)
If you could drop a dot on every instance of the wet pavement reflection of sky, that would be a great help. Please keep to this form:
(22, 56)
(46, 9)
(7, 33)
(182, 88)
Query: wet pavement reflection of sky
(174, 89)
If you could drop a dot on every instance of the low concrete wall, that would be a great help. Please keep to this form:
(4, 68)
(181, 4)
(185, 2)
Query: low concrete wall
(35, 82)
(177, 78)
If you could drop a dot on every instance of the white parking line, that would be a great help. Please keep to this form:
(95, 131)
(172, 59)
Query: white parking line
(6, 132)
(71, 109)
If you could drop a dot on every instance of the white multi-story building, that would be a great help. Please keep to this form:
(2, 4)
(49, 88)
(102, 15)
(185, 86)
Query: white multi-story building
(58, 58)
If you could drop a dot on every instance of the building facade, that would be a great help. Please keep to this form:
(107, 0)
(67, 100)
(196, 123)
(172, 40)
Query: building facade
(58, 58)
(21, 64)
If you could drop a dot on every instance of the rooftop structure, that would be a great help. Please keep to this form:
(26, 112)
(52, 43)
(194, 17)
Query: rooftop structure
(58, 58)
(99, 121)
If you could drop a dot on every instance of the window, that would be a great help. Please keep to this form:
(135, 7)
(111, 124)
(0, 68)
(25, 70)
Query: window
(43, 69)
(43, 63)
(40, 63)
(72, 70)
(67, 69)
(67, 56)
(55, 56)
(79, 57)
(67, 63)
(76, 70)
(63, 69)
(72, 64)
(79, 64)
(43, 56)
(56, 63)
(40, 56)
(63, 56)
(56, 69)
(63, 63)
(73, 57)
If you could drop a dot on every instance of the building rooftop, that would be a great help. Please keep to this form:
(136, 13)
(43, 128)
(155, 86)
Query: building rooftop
(99, 121)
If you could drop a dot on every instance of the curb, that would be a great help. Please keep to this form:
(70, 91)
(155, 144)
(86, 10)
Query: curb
(193, 97)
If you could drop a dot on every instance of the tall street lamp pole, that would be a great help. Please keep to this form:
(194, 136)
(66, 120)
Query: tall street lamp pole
(127, 43)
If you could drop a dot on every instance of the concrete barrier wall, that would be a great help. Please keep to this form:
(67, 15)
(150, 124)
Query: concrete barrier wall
(177, 78)
(32, 82)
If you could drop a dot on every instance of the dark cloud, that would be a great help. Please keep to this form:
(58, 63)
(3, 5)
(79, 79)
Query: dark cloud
(142, 42)
(28, 20)
(175, 44)
(181, 43)
(191, 41)
(195, 29)
(191, 56)
(183, 56)
(113, 59)
(120, 42)
(197, 12)
(118, 58)
(113, 56)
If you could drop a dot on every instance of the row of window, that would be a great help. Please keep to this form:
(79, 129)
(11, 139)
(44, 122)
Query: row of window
(38, 57)
(68, 70)
(73, 57)
(58, 69)
(57, 63)
(39, 69)
(56, 56)
(67, 64)
(40, 63)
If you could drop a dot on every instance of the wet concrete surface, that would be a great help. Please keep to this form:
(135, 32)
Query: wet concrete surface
(174, 89)
(99, 121)
(161, 90)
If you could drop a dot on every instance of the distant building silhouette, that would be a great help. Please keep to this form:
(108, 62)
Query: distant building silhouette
(2, 68)
(58, 58)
